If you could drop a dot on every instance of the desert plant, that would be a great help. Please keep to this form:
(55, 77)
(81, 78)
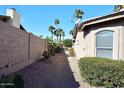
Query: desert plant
(71, 52)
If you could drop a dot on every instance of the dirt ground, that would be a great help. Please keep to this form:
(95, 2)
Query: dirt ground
(52, 73)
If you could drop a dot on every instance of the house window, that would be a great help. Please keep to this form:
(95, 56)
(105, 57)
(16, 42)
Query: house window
(104, 44)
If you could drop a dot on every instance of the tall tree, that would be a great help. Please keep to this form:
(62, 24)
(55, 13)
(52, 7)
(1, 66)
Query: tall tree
(56, 21)
(56, 33)
(60, 32)
(63, 35)
(71, 32)
(78, 13)
(51, 29)
(48, 39)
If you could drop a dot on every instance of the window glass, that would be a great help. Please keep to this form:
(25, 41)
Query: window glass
(104, 44)
(104, 39)
(105, 53)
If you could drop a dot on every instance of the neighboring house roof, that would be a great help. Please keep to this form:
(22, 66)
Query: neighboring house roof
(6, 18)
(22, 28)
(2, 16)
(100, 19)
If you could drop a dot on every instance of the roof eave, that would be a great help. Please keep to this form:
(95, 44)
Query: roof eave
(102, 20)
(2, 16)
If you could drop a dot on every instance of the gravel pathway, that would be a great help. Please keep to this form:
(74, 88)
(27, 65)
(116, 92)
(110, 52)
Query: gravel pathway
(53, 73)
(73, 62)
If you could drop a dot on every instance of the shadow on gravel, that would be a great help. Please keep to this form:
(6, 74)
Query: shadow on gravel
(56, 74)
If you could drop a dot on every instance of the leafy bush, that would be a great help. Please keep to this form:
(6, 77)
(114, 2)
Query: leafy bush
(71, 52)
(102, 72)
(66, 48)
(46, 55)
(67, 42)
(18, 81)
(54, 48)
(57, 48)
(51, 51)
(11, 81)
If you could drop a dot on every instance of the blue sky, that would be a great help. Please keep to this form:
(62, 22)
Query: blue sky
(36, 19)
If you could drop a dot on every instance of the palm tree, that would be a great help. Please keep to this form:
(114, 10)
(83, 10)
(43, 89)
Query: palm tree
(60, 32)
(56, 22)
(78, 13)
(56, 33)
(118, 7)
(51, 29)
(71, 32)
(77, 16)
(63, 35)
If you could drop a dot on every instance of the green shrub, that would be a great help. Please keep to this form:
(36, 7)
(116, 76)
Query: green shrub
(67, 42)
(51, 51)
(102, 72)
(18, 81)
(46, 55)
(54, 48)
(57, 48)
(66, 48)
(11, 81)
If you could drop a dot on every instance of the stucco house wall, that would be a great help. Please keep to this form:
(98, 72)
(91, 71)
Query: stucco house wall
(79, 45)
(121, 35)
(85, 42)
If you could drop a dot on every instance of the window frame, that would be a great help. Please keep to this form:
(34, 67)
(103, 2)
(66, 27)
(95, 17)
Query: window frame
(103, 48)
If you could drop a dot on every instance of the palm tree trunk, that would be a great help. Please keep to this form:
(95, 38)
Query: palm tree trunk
(52, 38)
(57, 39)
(63, 38)
(60, 39)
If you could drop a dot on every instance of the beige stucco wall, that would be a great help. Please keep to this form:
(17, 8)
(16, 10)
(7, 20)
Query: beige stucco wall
(79, 45)
(121, 46)
(86, 45)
